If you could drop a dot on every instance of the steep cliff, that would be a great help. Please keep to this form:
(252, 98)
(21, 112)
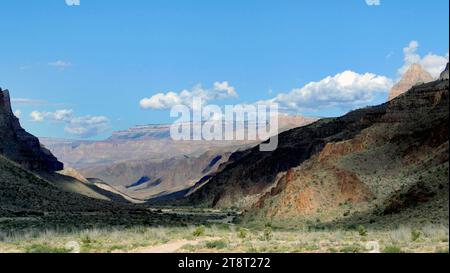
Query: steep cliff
(445, 74)
(18, 145)
(397, 164)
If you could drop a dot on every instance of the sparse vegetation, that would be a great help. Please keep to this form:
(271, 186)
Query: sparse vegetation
(354, 248)
(415, 234)
(242, 233)
(44, 248)
(362, 231)
(216, 238)
(199, 231)
(392, 249)
(267, 234)
(219, 244)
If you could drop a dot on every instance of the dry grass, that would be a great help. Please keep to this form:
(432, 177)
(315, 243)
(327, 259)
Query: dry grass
(432, 239)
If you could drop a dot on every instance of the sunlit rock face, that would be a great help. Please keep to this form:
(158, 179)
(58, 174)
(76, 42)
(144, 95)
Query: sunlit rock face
(444, 75)
(415, 75)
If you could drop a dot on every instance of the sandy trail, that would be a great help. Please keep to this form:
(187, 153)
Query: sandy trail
(171, 247)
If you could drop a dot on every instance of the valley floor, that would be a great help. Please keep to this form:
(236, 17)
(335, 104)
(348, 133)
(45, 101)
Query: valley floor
(228, 238)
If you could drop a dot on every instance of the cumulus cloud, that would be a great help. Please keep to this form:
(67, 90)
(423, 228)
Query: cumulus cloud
(58, 115)
(219, 91)
(60, 64)
(373, 2)
(18, 113)
(346, 89)
(84, 126)
(432, 63)
(37, 116)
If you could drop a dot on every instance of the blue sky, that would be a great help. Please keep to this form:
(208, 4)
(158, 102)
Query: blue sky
(86, 70)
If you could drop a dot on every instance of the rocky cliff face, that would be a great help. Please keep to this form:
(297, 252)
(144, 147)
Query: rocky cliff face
(445, 74)
(415, 75)
(252, 172)
(365, 161)
(18, 145)
(393, 166)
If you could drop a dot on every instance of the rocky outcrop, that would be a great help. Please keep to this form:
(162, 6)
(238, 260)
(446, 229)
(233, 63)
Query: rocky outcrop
(415, 75)
(444, 74)
(18, 145)
(70, 172)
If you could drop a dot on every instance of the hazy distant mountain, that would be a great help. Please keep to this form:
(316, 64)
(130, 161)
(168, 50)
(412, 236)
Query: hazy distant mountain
(144, 162)
(414, 75)
(149, 142)
(146, 179)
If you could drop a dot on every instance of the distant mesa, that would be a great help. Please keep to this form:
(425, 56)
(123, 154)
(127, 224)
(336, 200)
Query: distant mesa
(414, 76)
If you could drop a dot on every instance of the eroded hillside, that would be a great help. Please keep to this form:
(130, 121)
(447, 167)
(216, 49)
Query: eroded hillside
(379, 161)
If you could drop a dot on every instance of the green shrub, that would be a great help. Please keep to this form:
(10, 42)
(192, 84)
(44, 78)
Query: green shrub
(220, 244)
(242, 233)
(200, 231)
(267, 234)
(362, 231)
(86, 239)
(415, 234)
(44, 248)
(189, 247)
(355, 248)
(392, 249)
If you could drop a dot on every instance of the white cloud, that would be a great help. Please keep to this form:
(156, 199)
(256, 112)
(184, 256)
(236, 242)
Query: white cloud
(18, 113)
(62, 115)
(373, 2)
(60, 64)
(432, 63)
(37, 116)
(24, 101)
(85, 126)
(220, 90)
(346, 89)
(58, 115)
(73, 2)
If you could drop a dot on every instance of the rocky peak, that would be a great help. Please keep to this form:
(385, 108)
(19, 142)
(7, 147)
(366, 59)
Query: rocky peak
(444, 74)
(18, 145)
(415, 75)
(5, 102)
